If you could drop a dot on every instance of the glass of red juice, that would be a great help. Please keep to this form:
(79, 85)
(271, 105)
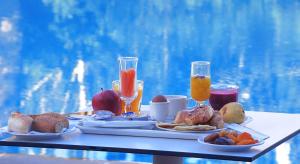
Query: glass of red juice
(221, 94)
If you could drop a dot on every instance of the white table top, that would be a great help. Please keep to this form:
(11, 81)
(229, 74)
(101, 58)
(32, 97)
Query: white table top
(279, 126)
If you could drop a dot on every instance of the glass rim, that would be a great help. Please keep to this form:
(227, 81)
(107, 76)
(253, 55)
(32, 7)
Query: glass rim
(223, 86)
(138, 81)
(127, 58)
(201, 62)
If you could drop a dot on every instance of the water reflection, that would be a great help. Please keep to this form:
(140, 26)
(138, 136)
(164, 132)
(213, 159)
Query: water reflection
(57, 61)
(282, 153)
(6, 26)
(78, 74)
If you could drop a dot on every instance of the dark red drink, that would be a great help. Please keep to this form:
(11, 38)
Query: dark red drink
(222, 95)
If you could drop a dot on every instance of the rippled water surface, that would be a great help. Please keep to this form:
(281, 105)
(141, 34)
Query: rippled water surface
(55, 55)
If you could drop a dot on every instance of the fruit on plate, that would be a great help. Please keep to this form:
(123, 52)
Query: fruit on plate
(159, 98)
(230, 138)
(233, 113)
(107, 100)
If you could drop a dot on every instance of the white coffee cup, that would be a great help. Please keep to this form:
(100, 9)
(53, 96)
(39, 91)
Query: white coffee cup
(159, 110)
(177, 103)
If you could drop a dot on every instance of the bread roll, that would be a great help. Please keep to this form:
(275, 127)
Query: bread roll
(50, 123)
(19, 123)
(59, 117)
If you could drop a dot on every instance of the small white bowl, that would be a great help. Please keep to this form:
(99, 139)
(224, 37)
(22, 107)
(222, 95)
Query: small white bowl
(159, 110)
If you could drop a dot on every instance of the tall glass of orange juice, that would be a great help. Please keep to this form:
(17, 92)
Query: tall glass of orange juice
(200, 81)
(136, 103)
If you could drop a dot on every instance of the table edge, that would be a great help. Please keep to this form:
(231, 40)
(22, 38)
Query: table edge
(149, 152)
(125, 150)
(3, 142)
(276, 144)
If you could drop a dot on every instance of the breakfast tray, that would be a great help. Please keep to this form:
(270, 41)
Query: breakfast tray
(154, 133)
(148, 132)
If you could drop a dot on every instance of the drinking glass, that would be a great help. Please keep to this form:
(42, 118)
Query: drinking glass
(135, 105)
(127, 77)
(221, 94)
(200, 81)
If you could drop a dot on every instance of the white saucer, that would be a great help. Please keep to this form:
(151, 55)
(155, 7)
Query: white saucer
(33, 135)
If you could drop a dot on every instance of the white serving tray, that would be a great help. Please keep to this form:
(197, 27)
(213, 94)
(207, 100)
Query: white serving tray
(140, 133)
(150, 132)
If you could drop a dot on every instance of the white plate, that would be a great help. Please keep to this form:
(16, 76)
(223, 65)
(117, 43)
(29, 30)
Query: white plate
(38, 135)
(246, 121)
(228, 147)
(116, 124)
(190, 131)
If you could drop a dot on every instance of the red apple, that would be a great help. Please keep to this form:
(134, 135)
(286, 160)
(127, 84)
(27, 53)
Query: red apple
(107, 100)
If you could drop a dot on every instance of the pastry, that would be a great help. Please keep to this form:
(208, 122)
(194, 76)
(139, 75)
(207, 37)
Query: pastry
(58, 117)
(20, 123)
(199, 115)
(217, 120)
(50, 123)
(180, 116)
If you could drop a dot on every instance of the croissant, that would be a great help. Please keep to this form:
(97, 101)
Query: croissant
(198, 115)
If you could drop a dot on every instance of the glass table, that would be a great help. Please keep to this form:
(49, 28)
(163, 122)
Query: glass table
(279, 126)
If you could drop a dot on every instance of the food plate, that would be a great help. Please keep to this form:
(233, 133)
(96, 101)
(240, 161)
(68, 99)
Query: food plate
(33, 135)
(188, 131)
(229, 147)
(247, 120)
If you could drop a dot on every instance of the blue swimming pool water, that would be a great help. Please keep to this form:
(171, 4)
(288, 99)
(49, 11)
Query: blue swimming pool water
(55, 55)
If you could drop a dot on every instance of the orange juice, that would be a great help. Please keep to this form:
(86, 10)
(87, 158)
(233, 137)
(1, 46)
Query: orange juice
(127, 82)
(136, 103)
(200, 88)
